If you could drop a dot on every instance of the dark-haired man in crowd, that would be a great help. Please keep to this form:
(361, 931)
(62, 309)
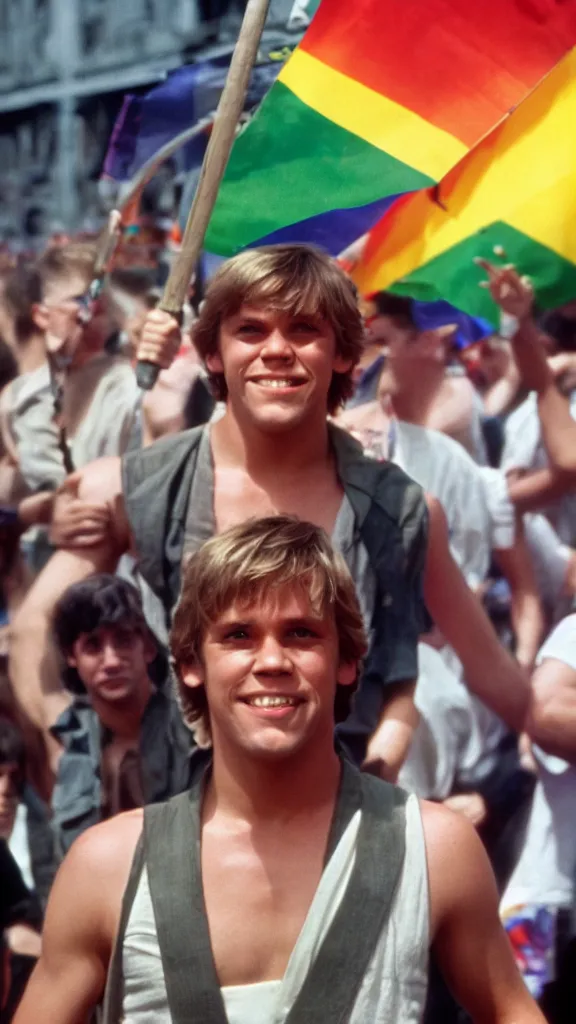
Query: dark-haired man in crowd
(122, 737)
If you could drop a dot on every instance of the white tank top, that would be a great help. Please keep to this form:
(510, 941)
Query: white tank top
(394, 987)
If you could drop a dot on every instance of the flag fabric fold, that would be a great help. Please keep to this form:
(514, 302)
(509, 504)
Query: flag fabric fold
(381, 98)
(510, 199)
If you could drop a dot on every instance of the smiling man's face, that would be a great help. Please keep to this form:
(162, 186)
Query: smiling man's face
(278, 366)
(270, 671)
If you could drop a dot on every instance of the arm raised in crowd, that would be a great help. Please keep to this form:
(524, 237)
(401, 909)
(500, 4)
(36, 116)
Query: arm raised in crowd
(490, 671)
(558, 427)
(529, 492)
(525, 605)
(514, 295)
(552, 722)
(101, 536)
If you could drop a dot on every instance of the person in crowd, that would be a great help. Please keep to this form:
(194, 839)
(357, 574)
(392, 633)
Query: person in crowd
(99, 394)
(9, 488)
(285, 841)
(538, 904)
(280, 332)
(20, 918)
(453, 406)
(480, 515)
(10, 484)
(481, 525)
(133, 291)
(555, 567)
(121, 738)
(491, 367)
(96, 394)
(24, 818)
(547, 484)
(25, 828)
(367, 370)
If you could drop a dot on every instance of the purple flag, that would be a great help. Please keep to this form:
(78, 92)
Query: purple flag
(148, 122)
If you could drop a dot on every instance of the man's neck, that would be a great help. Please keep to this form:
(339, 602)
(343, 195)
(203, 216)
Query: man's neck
(124, 721)
(31, 354)
(294, 452)
(413, 401)
(255, 790)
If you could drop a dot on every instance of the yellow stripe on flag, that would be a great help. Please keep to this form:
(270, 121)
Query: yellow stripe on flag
(378, 120)
(523, 173)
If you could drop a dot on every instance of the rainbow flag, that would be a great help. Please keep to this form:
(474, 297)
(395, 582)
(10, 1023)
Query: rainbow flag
(381, 97)
(512, 198)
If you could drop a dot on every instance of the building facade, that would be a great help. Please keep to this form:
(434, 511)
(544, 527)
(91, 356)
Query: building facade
(64, 68)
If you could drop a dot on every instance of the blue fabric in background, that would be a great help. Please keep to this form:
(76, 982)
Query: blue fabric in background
(470, 329)
(150, 120)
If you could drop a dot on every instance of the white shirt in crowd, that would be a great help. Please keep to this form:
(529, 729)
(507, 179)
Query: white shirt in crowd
(546, 871)
(475, 499)
(448, 748)
(480, 519)
(106, 429)
(524, 450)
(551, 559)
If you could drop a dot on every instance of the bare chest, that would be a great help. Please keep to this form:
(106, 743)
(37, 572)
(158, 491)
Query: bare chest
(238, 497)
(257, 898)
(121, 777)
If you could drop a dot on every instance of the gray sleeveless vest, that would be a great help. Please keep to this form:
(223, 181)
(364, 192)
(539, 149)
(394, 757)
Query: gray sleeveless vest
(170, 847)
(391, 521)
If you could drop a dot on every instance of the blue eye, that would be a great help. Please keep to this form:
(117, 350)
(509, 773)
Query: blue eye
(250, 329)
(305, 328)
(302, 633)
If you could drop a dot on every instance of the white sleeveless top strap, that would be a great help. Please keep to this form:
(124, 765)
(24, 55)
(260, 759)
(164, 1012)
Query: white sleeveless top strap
(393, 990)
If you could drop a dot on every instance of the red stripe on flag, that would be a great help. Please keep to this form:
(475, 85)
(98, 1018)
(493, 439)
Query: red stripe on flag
(460, 64)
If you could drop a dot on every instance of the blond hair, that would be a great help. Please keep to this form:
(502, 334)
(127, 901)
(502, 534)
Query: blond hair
(293, 279)
(61, 261)
(244, 565)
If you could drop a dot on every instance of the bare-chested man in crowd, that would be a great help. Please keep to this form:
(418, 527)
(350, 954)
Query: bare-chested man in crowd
(280, 333)
(287, 885)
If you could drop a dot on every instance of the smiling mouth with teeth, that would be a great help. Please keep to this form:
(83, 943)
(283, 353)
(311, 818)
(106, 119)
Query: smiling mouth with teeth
(267, 701)
(275, 382)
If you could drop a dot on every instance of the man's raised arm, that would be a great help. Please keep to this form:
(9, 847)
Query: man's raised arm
(92, 531)
(490, 672)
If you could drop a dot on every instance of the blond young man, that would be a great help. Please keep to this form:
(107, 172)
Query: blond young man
(280, 334)
(287, 885)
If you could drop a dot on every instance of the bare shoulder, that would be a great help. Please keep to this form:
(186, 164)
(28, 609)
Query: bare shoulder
(444, 831)
(100, 859)
(81, 923)
(459, 873)
(95, 872)
(109, 847)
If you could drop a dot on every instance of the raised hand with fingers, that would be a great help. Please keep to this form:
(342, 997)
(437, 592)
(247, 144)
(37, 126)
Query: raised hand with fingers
(75, 523)
(512, 292)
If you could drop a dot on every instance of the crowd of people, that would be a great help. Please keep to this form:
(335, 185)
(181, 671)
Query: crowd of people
(335, 535)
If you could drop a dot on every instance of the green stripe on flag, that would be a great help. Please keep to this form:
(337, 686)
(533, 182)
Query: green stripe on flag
(291, 163)
(453, 276)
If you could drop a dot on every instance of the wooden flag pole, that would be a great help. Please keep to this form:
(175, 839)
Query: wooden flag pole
(227, 116)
